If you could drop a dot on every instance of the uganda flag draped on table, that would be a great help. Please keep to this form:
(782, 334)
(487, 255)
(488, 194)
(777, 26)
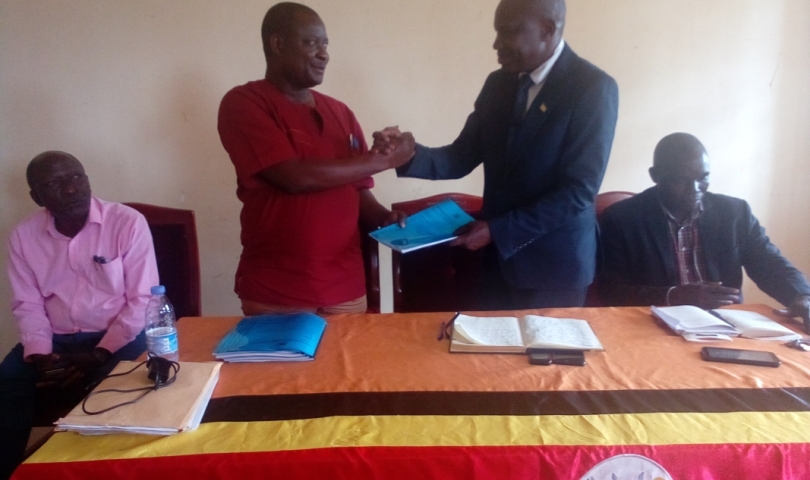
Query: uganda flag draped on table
(384, 401)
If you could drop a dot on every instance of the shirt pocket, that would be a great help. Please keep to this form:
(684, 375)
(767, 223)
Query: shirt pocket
(108, 277)
(304, 144)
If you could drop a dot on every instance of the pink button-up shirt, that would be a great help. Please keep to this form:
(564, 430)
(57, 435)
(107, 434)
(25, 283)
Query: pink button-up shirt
(98, 280)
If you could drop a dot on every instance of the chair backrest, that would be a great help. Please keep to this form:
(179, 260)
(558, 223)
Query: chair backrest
(606, 199)
(371, 263)
(438, 278)
(174, 234)
(603, 201)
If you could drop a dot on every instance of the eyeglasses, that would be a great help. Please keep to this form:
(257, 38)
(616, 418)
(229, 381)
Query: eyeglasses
(445, 329)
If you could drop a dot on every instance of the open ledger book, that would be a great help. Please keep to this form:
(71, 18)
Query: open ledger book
(516, 335)
(174, 408)
(697, 324)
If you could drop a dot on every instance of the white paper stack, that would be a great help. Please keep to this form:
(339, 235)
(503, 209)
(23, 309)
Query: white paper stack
(696, 324)
(756, 325)
(174, 408)
(688, 319)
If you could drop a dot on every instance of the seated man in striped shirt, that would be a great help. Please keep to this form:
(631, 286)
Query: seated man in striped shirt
(675, 243)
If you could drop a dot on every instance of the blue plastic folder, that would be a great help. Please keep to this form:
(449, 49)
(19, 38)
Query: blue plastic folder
(429, 227)
(290, 337)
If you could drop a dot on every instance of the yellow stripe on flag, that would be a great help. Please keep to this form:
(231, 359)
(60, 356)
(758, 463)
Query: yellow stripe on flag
(439, 431)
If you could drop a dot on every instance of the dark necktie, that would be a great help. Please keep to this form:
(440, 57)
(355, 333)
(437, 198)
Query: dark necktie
(519, 109)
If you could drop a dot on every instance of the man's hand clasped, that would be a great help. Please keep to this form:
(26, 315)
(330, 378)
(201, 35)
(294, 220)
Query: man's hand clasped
(472, 236)
(398, 146)
(65, 369)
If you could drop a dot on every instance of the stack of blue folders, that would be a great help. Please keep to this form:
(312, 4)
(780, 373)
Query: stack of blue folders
(290, 337)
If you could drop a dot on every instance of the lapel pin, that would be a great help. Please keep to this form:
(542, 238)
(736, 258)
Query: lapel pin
(543, 107)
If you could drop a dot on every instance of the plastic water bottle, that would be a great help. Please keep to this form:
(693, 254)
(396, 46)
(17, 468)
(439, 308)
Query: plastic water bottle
(161, 335)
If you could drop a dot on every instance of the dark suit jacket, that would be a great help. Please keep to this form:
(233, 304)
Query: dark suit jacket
(639, 256)
(540, 187)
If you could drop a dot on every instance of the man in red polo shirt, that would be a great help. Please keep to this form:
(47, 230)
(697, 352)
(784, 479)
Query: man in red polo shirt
(303, 175)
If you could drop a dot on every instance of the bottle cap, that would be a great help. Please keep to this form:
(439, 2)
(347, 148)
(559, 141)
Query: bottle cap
(158, 290)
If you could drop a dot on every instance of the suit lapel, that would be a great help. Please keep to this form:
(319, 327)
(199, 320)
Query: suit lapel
(708, 238)
(552, 93)
(656, 226)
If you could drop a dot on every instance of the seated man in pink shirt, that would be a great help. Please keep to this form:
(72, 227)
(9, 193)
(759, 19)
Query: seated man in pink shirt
(81, 271)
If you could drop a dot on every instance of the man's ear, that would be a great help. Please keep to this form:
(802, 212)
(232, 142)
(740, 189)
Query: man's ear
(35, 197)
(549, 27)
(654, 175)
(275, 44)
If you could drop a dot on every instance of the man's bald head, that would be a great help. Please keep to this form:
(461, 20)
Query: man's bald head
(549, 9)
(676, 149)
(280, 19)
(681, 172)
(528, 32)
(59, 184)
(546, 10)
(42, 163)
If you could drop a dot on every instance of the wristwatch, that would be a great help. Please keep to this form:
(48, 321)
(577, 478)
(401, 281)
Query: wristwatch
(102, 355)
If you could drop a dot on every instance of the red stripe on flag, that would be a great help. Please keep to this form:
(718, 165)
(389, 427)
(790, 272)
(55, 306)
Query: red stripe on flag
(707, 462)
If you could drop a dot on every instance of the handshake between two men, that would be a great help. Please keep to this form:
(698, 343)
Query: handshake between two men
(472, 236)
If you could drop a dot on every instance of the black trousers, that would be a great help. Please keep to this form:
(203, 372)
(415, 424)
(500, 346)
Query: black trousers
(495, 293)
(18, 392)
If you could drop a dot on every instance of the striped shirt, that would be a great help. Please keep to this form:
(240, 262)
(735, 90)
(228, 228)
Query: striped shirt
(685, 237)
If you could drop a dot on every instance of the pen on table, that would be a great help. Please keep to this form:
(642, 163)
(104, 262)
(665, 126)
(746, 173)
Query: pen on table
(719, 317)
(444, 325)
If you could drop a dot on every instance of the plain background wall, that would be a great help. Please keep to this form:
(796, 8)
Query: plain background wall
(132, 89)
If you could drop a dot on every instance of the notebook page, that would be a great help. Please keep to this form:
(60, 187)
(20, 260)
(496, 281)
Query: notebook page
(756, 325)
(562, 332)
(496, 331)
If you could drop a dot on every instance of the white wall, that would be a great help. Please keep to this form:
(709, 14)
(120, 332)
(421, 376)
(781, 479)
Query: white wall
(132, 89)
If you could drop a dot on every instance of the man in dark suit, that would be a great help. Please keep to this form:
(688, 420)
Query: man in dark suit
(675, 243)
(543, 127)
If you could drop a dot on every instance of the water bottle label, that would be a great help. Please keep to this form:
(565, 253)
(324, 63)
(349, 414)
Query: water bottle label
(162, 340)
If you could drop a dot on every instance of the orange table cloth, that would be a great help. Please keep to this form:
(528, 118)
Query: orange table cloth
(385, 399)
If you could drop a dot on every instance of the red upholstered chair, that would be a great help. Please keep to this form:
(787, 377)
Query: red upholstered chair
(438, 278)
(603, 201)
(174, 233)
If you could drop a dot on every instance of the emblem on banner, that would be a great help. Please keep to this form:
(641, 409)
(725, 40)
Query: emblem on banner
(627, 467)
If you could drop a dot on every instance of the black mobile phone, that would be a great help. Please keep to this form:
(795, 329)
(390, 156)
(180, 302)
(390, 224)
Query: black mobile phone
(745, 357)
(540, 358)
(576, 358)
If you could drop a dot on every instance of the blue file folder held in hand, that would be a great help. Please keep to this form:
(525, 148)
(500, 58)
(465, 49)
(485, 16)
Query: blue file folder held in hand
(431, 226)
(290, 337)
